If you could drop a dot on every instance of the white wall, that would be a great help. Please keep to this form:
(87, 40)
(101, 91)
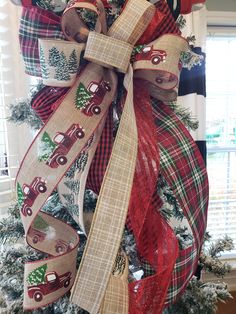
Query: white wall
(221, 5)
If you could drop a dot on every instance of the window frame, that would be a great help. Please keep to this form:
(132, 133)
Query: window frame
(223, 23)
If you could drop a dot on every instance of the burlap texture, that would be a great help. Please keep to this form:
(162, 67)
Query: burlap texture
(111, 210)
(108, 51)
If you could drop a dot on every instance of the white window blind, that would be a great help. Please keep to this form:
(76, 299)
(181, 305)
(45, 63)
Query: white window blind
(221, 134)
(11, 88)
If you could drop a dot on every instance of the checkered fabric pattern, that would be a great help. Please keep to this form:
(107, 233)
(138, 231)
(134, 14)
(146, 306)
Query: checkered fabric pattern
(36, 23)
(181, 158)
(102, 155)
(44, 102)
(168, 24)
(183, 271)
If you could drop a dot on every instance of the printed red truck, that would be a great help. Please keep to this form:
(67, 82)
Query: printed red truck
(62, 246)
(98, 91)
(36, 235)
(64, 142)
(150, 54)
(30, 192)
(51, 283)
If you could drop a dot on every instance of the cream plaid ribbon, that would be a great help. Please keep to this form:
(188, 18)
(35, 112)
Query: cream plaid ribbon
(95, 288)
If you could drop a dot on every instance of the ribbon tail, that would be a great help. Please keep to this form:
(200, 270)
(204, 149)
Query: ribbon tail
(114, 197)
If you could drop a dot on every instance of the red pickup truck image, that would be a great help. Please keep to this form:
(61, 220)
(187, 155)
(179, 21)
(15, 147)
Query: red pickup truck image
(64, 142)
(36, 235)
(89, 99)
(52, 282)
(149, 53)
(30, 192)
(62, 246)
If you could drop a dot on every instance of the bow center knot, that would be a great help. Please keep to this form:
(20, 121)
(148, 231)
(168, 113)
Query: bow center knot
(108, 51)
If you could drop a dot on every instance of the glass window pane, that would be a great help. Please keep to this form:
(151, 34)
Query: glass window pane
(221, 135)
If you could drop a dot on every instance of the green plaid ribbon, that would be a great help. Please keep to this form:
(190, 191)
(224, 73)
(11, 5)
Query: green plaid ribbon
(184, 170)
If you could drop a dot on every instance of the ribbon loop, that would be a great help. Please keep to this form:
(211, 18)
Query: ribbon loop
(59, 60)
(73, 26)
(107, 51)
(133, 21)
(158, 63)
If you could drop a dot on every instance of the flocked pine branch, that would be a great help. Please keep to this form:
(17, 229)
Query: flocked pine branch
(170, 207)
(11, 226)
(46, 4)
(210, 257)
(184, 237)
(220, 246)
(117, 3)
(200, 298)
(20, 111)
(190, 59)
(12, 269)
(184, 114)
(181, 21)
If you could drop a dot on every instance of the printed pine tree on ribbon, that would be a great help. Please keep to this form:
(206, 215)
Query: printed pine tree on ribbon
(73, 209)
(82, 96)
(73, 62)
(136, 50)
(73, 185)
(20, 195)
(69, 198)
(47, 147)
(43, 65)
(37, 275)
(40, 224)
(82, 161)
(54, 56)
(78, 165)
(62, 69)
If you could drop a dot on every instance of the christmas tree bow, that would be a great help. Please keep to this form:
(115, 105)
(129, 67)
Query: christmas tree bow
(74, 130)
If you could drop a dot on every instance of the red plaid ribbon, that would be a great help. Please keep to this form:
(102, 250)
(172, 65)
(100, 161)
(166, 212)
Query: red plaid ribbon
(44, 102)
(36, 23)
(184, 170)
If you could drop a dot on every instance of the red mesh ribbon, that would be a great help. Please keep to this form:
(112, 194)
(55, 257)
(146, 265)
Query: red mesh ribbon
(148, 295)
(156, 242)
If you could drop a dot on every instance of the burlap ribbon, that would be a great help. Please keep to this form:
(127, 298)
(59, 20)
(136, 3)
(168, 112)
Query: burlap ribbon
(75, 128)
